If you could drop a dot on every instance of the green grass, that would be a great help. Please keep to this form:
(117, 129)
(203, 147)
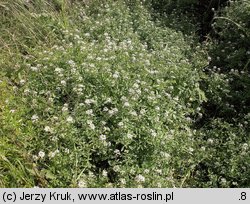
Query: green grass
(109, 94)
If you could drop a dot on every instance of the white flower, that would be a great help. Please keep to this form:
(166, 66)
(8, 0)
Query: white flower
(26, 91)
(47, 129)
(166, 155)
(129, 136)
(89, 112)
(116, 75)
(105, 109)
(120, 124)
(123, 98)
(190, 149)
(89, 122)
(34, 118)
(123, 181)
(52, 154)
(89, 101)
(92, 126)
(104, 173)
(111, 112)
(106, 129)
(245, 147)
(117, 152)
(116, 168)
(55, 118)
(22, 81)
(153, 133)
(58, 70)
(142, 111)
(71, 62)
(70, 119)
(223, 181)
(35, 158)
(82, 184)
(210, 141)
(139, 178)
(103, 137)
(63, 83)
(159, 171)
(126, 104)
(64, 109)
(133, 113)
(103, 122)
(109, 100)
(91, 174)
(41, 154)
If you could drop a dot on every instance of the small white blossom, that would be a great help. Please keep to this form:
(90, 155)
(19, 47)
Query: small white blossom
(103, 137)
(129, 136)
(70, 119)
(104, 173)
(120, 124)
(223, 181)
(153, 133)
(116, 168)
(117, 152)
(34, 118)
(115, 75)
(65, 109)
(41, 154)
(105, 109)
(89, 101)
(123, 181)
(245, 147)
(26, 91)
(142, 111)
(133, 113)
(92, 126)
(48, 129)
(111, 112)
(35, 158)
(126, 104)
(58, 70)
(22, 81)
(63, 83)
(210, 141)
(82, 184)
(108, 100)
(35, 69)
(52, 155)
(89, 112)
(66, 150)
(139, 178)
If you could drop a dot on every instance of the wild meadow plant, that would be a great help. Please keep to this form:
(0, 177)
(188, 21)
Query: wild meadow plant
(105, 95)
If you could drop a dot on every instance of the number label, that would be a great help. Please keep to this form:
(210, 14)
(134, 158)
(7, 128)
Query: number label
(243, 196)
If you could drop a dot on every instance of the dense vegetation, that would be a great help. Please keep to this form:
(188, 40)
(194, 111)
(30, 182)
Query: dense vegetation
(130, 93)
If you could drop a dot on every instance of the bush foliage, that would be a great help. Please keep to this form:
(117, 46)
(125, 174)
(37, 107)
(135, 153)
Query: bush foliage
(114, 94)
